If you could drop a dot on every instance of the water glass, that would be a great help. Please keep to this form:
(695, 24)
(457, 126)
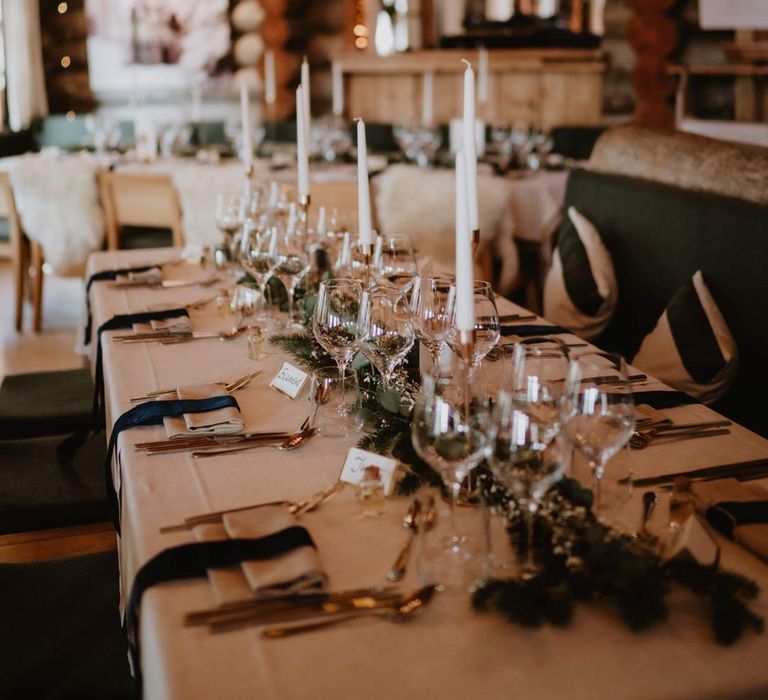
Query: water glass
(334, 394)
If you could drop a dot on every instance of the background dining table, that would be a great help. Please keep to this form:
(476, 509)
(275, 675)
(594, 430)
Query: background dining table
(450, 651)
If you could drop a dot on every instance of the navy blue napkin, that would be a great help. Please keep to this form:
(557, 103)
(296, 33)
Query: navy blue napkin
(662, 399)
(152, 413)
(100, 277)
(192, 560)
(524, 330)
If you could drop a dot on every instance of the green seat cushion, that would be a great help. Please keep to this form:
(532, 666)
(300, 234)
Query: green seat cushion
(38, 493)
(62, 630)
(133, 237)
(5, 231)
(45, 403)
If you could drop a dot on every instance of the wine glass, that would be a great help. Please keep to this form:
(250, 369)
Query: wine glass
(453, 442)
(257, 256)
(291, 263)
(394, 262)
(598, 410)
(487, 326)
(431, 313)
(229, 209)
(334, 324)
(385, 329)
(527, 456)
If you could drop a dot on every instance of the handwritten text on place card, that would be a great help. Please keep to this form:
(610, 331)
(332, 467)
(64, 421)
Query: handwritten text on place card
(356, 462)
(289, 380)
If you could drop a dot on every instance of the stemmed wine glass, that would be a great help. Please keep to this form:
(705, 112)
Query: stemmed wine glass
(334, 324)
(527, 456)
(487, 326)
(257, 256)
(394, 262)
(291, 263)
(431, 314)
(598, 410)
(228, 214)
(385, 329)
(453, 443)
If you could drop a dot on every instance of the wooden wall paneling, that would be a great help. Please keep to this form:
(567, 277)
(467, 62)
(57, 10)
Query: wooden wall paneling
(520, 95)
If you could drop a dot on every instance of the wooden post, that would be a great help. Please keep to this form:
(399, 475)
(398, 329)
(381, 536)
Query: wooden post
(653, 35)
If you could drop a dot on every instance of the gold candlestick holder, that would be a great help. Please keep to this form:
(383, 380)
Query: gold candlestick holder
(304, 202)
(475, 241)
(466, 347)
(367, 256)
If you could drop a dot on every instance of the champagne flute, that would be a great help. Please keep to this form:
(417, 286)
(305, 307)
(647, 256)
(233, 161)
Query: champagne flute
(527, 456)
(385, 328)
(257, 256)
(487, 326)
(453, 443)
(598, 410)
(334, 324)
(291, 263)
(431, 311)
(394, 262)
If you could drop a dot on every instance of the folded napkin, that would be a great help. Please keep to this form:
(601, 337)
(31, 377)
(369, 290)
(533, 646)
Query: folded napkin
(177, 324)
(152, 276)
(662, 399)
(227, 583)
(296, 571)
(737, 509)
(524, 330)
(222, 421)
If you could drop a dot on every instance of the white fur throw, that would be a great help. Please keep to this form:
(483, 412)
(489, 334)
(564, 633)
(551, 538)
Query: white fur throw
(197, 185)
(58, 204)
(419, 203)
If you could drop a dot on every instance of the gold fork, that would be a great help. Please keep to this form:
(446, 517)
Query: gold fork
(239, 383)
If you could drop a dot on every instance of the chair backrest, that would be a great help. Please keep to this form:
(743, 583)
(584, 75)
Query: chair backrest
(658, 236)
(134, 199)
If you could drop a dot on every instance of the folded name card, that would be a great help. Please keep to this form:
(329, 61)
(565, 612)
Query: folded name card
(289, 380)
(356, 462)
(692, 540)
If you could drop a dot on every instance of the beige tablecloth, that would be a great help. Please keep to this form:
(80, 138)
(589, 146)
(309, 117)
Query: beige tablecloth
(450, 652)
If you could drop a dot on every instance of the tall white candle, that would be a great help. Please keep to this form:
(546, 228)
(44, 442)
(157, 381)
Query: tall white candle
(338, 88)
(465, 306)
(270, 89)
(302, 162)
(427, 98)
(305, 88)
(246, 126)
(469, 146)
(363, 191)
(482, 76)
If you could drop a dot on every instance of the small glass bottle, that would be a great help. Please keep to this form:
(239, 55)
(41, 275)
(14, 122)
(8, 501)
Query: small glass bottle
(371, 493)
(255, 344)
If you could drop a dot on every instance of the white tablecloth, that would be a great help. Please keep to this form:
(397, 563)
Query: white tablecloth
(450, 652)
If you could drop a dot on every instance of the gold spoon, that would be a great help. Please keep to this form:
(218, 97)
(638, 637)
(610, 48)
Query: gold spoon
(402, 610)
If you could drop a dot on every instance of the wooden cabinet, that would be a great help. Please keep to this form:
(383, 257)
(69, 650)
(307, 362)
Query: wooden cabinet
(543, 87)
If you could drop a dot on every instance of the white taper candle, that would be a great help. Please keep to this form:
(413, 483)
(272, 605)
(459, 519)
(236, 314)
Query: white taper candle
(302, 161)
(337, 84)
(465, 305)
(270, 85)
(427, 98)
(363, 190)
(305, 87)
(245, 118)
(469, 145)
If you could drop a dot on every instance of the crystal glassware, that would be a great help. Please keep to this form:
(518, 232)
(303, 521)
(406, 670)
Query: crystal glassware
(453, 443)
(598, 410)
(334, 324)
(394, 262)
(431, 314)
(527, 456)
(385, 329)
(487, 327)
(328, 401)
(291, 263)
(258, 258)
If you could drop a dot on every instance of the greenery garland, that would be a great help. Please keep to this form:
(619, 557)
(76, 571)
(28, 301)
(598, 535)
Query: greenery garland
(582, 559)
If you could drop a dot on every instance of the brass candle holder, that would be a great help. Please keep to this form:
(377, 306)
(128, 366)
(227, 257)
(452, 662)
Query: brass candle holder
(475, 241)
(304, 202)
(367, 256)
(466, 347)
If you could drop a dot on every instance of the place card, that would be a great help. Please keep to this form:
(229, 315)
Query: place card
(356, 462)
(692, 540)
(289, 380)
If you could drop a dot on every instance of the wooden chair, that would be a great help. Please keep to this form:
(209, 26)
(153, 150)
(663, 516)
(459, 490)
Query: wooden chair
(27, 259)
(148, 201)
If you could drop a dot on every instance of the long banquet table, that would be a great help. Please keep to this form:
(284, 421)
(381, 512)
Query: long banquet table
(450, 651)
